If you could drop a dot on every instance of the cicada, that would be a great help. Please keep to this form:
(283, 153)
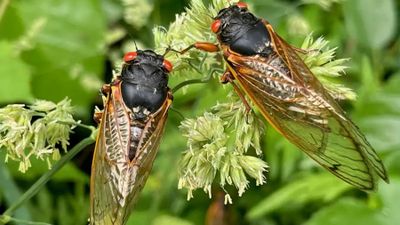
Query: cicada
(136, 104)
(288, 95)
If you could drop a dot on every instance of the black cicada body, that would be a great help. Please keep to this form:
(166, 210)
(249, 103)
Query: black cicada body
(289, 96)
(131, 125)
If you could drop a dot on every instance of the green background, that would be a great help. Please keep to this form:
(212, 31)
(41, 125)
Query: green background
(50, 49)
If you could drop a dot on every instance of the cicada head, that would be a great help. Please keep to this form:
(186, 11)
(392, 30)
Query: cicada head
(231, 22)
(239, 29)
(144, 79)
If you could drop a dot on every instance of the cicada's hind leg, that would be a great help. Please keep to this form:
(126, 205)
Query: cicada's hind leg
(98, 114)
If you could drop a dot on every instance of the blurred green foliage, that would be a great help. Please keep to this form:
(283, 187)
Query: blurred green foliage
(50, 49)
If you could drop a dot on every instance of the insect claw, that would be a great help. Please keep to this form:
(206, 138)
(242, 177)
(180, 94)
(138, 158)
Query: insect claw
(97, 115)
(227, 77)
(105, 89)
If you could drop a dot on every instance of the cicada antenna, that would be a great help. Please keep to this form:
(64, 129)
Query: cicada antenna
(167, 50)
(135, 45)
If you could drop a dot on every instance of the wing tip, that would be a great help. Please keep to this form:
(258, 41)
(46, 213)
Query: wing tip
(385, 178)
(374, 182)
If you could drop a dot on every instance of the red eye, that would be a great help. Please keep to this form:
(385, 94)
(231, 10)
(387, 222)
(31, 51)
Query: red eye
(167, 65)
(242, 5)
(129, 56)
(215, 26)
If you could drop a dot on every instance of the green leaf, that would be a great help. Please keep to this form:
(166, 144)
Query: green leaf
(140, 217)
(11, 192)
(66, 52)
(346, 211)
(372, 23)
(379, 116)
(392, 163)
(11, 26)
(273, 11)
(323, 187)
(15, 77)
(390, 196)
(382, 131)
(168, 220)
(357, 212)
(68, 173)
(43, 209)
(69, 207)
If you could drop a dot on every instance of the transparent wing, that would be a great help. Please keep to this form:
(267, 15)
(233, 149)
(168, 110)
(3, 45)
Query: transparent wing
(295, 103)
(115, 181)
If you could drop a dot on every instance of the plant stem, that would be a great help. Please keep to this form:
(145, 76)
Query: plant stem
(195, 81)
(46, 177)
(6, 219)
(184, 83)
(89, 127)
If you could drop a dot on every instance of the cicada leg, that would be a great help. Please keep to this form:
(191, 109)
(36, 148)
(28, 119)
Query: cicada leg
(105, 91)
(227, 77)
(205, 46)
(98, 114)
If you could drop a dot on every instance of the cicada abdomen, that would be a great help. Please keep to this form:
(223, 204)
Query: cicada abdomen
(131, 125)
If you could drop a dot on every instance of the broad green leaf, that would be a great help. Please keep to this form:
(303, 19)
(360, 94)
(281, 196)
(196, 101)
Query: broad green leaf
(11, 192)
(369, 81)
(273, 11)
(168, 220)
(392, 86)
(357, 212)
(68, 173)
(11, 26)
(390, 196)
(380, 103)
(382, 131)
(383, 101)
(69, 207)
(347, 211)
(15, 76)
(43, 209)
(392, 163)
(372, 23)
(143, 217)
(379, 116)
(67, 51)
(318, 187)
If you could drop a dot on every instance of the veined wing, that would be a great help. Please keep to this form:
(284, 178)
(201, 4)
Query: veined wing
(116, 181)
(295, 103)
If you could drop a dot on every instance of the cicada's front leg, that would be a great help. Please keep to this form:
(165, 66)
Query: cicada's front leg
(227, 77)
(105, 91)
